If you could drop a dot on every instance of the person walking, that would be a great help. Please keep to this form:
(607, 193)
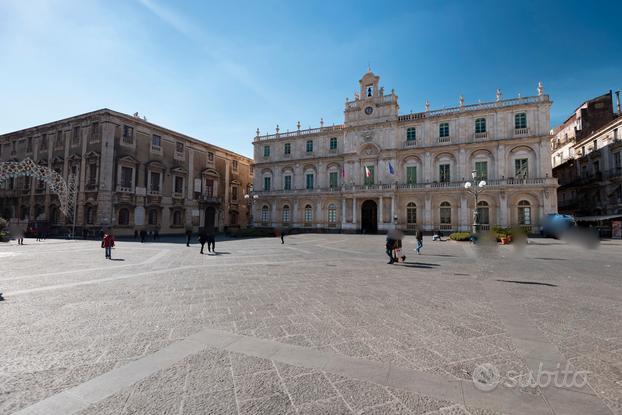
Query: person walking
(202, 239)
(390, 245)
(419, 238)
(188, 236)
(143, 235)
(211, 240)
(283, 236)
(107, 244)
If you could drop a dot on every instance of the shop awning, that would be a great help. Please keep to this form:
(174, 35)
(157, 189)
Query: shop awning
(596, 218)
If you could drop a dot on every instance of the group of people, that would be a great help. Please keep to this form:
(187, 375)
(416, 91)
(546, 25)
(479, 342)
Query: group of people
(394, 245)
(205, 236)
(144, 234)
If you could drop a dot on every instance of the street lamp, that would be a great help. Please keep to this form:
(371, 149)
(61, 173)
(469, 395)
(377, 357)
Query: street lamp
(475, 188)
(250, 198)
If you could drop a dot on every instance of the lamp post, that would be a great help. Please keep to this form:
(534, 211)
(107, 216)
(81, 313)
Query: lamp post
(475, 188)
(250, 198)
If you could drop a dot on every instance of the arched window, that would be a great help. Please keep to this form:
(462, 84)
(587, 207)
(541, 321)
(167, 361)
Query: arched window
(332, 213)
(411, 135)
(265, 214)
(520, 120)
(308, 214)
(89, 215)
(524, 213)
(483, 213)
(177, 218)
(411, 216)
(152, 218)
(285, 214)
(445, 213)
(124, 216)
(233, 218)
(480, 125)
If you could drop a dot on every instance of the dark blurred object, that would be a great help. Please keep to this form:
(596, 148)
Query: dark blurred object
(555, 225)
(584, 237)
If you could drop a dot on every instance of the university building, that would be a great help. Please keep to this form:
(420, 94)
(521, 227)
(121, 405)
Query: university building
(381, 169)
(130, 174)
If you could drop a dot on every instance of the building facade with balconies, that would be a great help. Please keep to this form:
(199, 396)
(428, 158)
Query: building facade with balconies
(380, 169)
(131, 174)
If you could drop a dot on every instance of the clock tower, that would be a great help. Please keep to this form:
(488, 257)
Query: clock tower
(370, 104)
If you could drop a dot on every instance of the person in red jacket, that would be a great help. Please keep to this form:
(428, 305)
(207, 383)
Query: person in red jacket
(107, 244)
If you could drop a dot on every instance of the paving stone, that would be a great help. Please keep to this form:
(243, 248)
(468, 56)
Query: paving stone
(418, 404)
(246, 365)
(216, 403)
(258, 385)
(335, 406)
(361, 394)
(273, 404)
(309, 387)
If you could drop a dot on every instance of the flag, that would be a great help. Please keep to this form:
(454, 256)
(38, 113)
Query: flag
(343, 171)
(391, 169)
(367, 172)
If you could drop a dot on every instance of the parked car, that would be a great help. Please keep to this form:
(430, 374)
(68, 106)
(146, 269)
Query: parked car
(555, 225)
(36, 227)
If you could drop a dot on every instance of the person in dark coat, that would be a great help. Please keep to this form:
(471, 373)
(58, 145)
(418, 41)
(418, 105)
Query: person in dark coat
(390, 245)
(143, 235)
(188, 236)
(211, 240)
(419, 238)
(202, 239)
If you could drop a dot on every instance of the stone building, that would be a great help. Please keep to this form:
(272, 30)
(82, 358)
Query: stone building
(131, 174)
(381, 168)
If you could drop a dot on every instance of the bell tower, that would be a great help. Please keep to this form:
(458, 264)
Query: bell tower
(370, 104)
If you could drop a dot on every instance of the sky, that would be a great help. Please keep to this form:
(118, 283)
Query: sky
(218, 70)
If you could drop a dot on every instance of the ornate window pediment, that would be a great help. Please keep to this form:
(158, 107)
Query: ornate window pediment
(210, 172)
(179, 170)
(128, 160)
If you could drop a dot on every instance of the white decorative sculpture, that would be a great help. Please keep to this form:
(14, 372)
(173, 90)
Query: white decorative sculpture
(499, 95)
(540, 89)
(427, 106)
(461, 101)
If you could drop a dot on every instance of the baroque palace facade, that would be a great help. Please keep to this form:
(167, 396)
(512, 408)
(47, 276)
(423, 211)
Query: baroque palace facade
(131, 174)
(380, 169)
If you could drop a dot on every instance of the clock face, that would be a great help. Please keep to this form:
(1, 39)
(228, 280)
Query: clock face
(369, 110)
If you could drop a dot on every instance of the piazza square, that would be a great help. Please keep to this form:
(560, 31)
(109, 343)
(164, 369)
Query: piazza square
(319, 324)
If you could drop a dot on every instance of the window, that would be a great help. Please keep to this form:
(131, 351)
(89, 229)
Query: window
(44, 142)
(309, 178)
(89, 215)
(209, 187)
(332, 213)
(75, 139)
(333, 143)
(483, 213)
(287, 148)
(266, 183)
(179, 148)
(285, 214)
(177, 218)
(481, 170)
(444, 173)
(124, 216)
(92, 174)
(310, 146)
(234, 193)
(156, 141)
(333, 179)
(445, 212)
(210, 157)
(443, 130)
(265, 215)
(411, 174)
(411, 216)
(480, 125)
(152, 217)
(369, 175)
(411, 134)
(128, 135)
(308, 214)
(59, 140)
(179, 184)
(154, 185)
(29, 145)
(520, 120)
(266, 151)
(126, 176)
(95, 131)
(234, 165)
(287, 182)
(524, 212)
(233, 218)
(521, 168)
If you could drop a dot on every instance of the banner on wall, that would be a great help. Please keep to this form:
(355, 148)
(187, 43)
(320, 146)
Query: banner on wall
(616, 229)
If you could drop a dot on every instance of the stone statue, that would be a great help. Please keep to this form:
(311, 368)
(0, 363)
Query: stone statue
(540, 89)
(461, 101)
(499, 95)
(427, 106)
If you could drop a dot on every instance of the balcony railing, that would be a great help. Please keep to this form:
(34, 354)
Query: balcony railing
(444, 139)
(480, 136)
(296, 133)
(154, 192)
(210, 199)
(519, 132)
(409, 144)
(124, 189)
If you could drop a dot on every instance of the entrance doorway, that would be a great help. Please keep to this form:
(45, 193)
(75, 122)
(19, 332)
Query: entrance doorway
(369, 217)
(210, 218)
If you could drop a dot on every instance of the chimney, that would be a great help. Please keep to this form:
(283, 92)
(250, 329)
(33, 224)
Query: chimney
(618, 97)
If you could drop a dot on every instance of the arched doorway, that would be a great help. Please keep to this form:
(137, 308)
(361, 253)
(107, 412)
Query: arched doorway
(369, 217)
(210, 218)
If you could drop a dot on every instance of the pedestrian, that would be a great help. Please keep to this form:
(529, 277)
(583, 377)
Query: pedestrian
(419, 238)
(188, 236)
(156, 235)
(282, 236)
(438, 236)
(279, 234)
(211, 240)
(19, 234)
(390, 244)
(143, 235)
(135, 234)
(202, 239)
(38, 236)
(107, 244)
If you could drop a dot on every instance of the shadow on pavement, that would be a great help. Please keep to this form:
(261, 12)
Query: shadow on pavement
(529, 283)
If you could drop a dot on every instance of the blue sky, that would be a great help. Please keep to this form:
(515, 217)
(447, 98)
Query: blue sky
(217, 70)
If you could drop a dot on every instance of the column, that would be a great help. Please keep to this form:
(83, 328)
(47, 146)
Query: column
(380, 215)
(427, 169)
(503, 210)
(354, 211)
(295, 221)
(319, 218)
(227, 190)
(343, 211)
(464, 209)
(393, 210)
(428, 214)
(273, 218)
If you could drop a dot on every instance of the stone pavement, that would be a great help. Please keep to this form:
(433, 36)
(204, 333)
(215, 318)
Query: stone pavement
(319, 325)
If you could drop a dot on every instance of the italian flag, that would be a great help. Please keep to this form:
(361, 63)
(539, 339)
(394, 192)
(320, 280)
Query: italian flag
(367, 172)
